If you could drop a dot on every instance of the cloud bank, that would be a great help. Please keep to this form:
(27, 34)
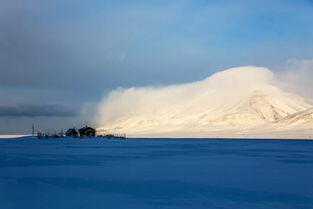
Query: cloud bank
(38, 111)
(297, 77)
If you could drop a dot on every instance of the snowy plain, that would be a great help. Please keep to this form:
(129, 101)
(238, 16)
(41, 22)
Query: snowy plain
(156, 173)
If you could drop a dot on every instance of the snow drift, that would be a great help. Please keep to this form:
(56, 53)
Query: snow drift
(244, 99)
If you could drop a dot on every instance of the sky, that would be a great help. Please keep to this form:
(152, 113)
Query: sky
(59, 58)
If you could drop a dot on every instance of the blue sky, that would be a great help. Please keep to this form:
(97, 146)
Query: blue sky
(67, 53)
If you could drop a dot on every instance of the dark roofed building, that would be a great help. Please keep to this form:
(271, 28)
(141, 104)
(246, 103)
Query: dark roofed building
(87, 131)
(72, 132)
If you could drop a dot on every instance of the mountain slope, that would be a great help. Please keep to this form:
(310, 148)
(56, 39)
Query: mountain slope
(300, 119)
(245, 98)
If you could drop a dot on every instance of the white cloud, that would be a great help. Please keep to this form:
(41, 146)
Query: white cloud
(298, 77)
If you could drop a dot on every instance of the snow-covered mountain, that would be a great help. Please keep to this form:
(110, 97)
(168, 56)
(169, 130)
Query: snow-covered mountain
(244, 99)
(302, 119)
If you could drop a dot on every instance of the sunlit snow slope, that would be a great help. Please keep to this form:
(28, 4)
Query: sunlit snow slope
(244, 99)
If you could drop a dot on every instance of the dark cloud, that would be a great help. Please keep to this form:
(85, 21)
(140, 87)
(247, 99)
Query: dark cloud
(38, 111)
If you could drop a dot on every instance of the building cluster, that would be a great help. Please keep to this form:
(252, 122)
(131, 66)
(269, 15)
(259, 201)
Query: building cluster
(83, 132)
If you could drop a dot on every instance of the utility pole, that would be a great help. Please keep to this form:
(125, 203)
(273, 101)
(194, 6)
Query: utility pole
(33, 129)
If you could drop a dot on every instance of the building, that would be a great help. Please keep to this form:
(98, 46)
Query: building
(87, 131)
(72, 132)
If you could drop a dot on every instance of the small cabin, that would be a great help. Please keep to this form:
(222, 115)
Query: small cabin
(72, 132)
(87, 131)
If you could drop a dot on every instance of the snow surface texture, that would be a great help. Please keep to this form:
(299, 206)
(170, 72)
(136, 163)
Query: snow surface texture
(239, 102)
(156, 174)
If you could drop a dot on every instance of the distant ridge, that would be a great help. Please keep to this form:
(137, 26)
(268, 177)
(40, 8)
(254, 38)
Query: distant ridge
(12, 136)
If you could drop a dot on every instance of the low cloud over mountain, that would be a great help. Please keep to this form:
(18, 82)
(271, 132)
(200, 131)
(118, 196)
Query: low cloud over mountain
(243, 98)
